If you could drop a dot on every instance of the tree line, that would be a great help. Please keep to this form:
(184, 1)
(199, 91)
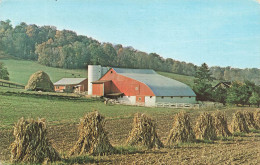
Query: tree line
(243, 93)
(66, 49)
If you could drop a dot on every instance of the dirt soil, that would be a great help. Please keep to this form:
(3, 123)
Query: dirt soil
(244, 149)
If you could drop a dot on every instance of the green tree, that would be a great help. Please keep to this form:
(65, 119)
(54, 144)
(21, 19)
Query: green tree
(3, 72)
(220, 95)
(202, 83)
(238, 93)
(255, 99)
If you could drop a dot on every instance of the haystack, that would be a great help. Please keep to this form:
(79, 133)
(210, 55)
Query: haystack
(92, 137)
(257, 118)
(31, 143)
(143, 132)
(250, 120)
(205, 128)
(239, 123)
(221, 126)
(182, 130)
(40, 81)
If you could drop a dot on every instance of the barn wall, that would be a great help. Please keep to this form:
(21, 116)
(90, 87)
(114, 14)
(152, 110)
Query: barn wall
(98, 89)
(107, 87)
(59, 88)
(130, 100)
(150, 101)
(167, 99)
(128, 86)
(84, 86)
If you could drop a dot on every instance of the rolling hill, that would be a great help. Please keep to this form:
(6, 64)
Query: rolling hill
(21, 70)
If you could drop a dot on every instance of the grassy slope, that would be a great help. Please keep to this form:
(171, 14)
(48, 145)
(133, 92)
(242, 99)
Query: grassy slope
(60, 111)
(21, 70)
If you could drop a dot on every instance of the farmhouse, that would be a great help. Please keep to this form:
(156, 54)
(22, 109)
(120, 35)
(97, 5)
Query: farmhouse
(141, 87)
(71, 85)
(224, 84)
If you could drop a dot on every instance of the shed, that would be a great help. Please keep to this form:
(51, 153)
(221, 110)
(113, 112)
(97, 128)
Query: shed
(71, 85)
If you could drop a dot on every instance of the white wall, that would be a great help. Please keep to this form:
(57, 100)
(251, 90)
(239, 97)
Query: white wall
(130, 100)
(167, 99)
(150, 102)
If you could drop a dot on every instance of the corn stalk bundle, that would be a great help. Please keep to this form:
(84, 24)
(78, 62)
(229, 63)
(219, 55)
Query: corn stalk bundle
(181, 130)
(31, 143)
(143, 132)
(239, 123)
(92, 137)
(257, 117)
(205, 128)
(40, 81)
(250, 120)
(221, 124)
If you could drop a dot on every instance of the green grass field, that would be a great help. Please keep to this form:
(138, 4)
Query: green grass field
(21, 70)
(60, 111)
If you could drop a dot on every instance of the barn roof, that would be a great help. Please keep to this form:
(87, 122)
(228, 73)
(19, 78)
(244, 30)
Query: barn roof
(69, 81)
(160, 85)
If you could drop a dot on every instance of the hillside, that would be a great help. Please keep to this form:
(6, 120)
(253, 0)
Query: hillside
(20, 71)
(66, 49)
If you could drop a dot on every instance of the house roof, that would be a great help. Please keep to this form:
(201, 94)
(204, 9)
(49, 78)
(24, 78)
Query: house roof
(160, 85)
(69, 81)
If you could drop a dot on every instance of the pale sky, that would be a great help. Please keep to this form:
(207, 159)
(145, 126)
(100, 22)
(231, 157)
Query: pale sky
(218, 32)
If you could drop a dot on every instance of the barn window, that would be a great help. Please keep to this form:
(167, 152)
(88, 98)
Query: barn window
(140, 98)
(111, 71)
(57, 87)
(151, 96)
(162, 97)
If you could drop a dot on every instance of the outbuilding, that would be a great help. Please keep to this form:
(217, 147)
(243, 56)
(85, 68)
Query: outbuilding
(71, 85)
(142, 87)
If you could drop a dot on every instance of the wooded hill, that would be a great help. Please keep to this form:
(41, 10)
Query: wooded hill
(66, 49)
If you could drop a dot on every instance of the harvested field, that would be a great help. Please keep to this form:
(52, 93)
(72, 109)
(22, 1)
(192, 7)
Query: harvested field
(144, 132)
(62, 124)
(205, 128)
(239, 123)
(182, 130)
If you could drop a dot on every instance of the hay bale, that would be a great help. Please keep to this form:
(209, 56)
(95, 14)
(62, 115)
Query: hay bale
(181, 130)
(250, 120)
(92, 137)
(31, 143)
(40, 81)
(257, 118)
(205, 128)
(239, 123)
(221, 126)
(143, 132)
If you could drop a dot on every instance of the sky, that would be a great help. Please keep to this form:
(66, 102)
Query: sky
(219, 33)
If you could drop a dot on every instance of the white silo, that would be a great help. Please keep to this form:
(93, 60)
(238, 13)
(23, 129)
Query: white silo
(94, 74)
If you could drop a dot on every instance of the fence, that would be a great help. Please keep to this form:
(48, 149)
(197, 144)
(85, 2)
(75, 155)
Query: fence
(9, 84)
(177, 105)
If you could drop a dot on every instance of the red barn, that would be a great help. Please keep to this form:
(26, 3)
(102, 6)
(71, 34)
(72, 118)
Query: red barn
(142, 87)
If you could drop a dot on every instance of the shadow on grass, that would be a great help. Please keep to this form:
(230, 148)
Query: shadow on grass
(78, 160)
(239, 134)
(128, 150)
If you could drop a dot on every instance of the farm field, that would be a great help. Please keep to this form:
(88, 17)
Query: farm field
(63, 115)
(21, 70)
